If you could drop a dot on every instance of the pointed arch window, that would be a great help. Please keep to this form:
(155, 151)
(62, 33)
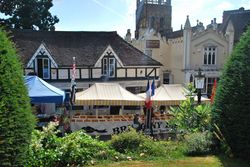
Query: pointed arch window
(210, 54)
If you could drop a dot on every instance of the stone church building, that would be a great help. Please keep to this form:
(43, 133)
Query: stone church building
(192, 47)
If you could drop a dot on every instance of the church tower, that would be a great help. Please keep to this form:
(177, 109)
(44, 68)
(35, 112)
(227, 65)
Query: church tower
(156, 14)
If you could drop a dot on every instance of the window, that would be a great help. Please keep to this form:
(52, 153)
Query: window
(165, 78)
(209, 55)
(161, 22)
(148, 52)
(43, 68)
(108, 66)
(209, 82)
(105, 66)
(111, 67)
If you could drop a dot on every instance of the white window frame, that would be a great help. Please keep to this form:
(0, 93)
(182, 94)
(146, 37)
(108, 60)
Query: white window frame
(205, 90)
(111, 67)
(48, 68)
(43, 60)
(105, 66)
(210, 51)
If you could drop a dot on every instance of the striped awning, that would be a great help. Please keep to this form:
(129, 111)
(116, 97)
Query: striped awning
(108, 94)
(172, 94)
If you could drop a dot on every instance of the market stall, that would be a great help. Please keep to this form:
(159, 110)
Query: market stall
(42, 92)
(47, 101)
(109, 94)
(170, 95)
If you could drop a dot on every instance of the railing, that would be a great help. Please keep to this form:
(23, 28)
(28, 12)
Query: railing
(116, 118)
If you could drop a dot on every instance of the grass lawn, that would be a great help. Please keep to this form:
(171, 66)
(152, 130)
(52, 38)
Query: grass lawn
(207, 161)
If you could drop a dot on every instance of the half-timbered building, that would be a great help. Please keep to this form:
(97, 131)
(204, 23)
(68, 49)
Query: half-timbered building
(100, 56)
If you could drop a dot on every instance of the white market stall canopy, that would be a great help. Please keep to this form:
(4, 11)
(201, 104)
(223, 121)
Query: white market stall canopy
(172, 94)
(108, 94)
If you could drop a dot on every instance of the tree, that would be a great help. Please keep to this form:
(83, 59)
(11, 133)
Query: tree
(28, 14)
(232, 101)
(16, 119)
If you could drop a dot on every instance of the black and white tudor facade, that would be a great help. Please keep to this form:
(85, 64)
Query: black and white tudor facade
(100, 57)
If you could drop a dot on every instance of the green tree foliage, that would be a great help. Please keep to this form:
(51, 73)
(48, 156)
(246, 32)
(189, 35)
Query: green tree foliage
(232, 101)
(74, 149)
(16, 119)
(189, 117)
(28, 14)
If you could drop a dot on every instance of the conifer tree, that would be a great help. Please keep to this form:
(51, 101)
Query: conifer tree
(232, 100)
(16, 119)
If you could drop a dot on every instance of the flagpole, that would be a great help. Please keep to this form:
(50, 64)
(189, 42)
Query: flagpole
(148, 105)
(151, 109)
(72, 88)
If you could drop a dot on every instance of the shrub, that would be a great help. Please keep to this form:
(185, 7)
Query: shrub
(231, 106)
(198, 143)
(43, 150)
(189, 118)
(16, 119)
(127, 141)
(79, 148)
(135, 143)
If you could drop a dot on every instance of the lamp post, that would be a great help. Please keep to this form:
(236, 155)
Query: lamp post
(199, 84)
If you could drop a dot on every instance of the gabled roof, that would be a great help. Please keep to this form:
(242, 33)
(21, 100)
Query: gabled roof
(240, 20)
(87, 47)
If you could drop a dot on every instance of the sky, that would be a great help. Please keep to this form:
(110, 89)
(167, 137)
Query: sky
(119, 15)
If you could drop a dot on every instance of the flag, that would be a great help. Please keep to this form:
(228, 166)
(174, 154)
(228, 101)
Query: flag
(213, 91)
(153, 88)
(73, 83)
(150, 91)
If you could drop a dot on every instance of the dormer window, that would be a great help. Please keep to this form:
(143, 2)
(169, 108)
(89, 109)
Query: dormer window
(42, 62)
(209, 55)
(108, 66)
(43, 68)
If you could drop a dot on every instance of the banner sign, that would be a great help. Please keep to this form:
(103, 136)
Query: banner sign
(98, 125)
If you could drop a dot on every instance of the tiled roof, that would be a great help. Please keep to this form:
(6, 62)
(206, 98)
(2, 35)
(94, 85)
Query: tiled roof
(87, 47)
(174, 34)
(240, 21)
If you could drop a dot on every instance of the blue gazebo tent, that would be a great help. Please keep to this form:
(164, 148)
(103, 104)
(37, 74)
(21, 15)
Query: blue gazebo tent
(42, 92)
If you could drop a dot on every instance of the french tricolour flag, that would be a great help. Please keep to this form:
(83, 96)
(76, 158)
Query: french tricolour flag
(149, 92)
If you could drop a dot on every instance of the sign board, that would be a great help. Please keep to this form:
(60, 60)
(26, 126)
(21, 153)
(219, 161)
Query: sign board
(152, 44)
(114, 124)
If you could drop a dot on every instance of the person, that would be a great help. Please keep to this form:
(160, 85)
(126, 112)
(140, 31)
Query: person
(137, 122)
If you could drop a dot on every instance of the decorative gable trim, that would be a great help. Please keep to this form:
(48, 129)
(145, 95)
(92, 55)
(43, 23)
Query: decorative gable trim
(109, 51)
(209, 42)
(42, 50)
